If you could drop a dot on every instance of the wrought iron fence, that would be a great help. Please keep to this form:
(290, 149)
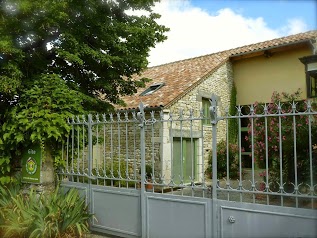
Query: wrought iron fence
(272, 159)
(282, 142)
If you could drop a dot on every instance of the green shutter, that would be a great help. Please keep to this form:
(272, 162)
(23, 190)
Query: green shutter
(184, 159)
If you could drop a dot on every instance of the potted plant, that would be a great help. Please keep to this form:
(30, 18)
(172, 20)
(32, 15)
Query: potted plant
(148, 176)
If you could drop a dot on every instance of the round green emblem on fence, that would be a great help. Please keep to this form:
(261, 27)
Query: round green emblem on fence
(31, 166)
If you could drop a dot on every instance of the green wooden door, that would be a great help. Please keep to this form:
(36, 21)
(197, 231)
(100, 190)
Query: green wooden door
(184, 160)
(178, 159)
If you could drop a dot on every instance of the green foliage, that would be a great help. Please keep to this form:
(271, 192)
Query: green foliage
(42, 112)
(95, 46)
(119, 171)
(40, 117)
(5, 168)
(222, 160)
(148, 171)
(55, 214)
(7, 192)
(272, 149)
(59, 58)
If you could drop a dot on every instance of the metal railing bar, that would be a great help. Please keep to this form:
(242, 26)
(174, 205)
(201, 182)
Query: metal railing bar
(78, 149)
(252, 157)
(111, 147)
(295, 153)
(73, 138)
(240, 158)
(310, 160)
(104, 153)
(202, 153)
(270, 193)
(268, 115)
(83, 150)
(181, 175)
(281, 156)
(172, 145)
(67, 151)
(228, 162)
(266, 159)
(134, 149)
(193, 164)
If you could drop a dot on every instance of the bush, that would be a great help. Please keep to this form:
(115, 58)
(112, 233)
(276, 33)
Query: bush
(148, 171)
(287, 139)
(222, 160)
(53, 214)
(7, 192)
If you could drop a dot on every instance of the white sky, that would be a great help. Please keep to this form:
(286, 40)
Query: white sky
(195, 32)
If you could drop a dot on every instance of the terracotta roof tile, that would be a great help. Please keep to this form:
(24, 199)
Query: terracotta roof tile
(180, 76)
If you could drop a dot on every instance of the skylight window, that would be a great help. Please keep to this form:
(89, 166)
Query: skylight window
(152, 89)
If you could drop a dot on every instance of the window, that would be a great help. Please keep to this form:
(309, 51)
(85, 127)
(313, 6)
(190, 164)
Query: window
(152, 89)
(246, 150)
(312, 84)
(310, 63)
(205, 108)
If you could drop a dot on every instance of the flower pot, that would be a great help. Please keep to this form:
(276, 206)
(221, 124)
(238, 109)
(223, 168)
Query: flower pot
(149, 187)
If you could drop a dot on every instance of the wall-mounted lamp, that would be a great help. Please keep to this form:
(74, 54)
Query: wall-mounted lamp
(267, 54)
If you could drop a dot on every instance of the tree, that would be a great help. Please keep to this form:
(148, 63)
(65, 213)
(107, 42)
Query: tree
(88, 50)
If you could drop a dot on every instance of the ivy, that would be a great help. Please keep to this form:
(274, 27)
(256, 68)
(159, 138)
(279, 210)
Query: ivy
(40, 117)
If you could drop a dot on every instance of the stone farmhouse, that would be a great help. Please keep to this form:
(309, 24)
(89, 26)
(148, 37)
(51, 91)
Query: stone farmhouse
(176, 88)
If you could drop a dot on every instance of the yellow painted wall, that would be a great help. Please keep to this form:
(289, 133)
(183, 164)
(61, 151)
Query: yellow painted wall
(256, 78)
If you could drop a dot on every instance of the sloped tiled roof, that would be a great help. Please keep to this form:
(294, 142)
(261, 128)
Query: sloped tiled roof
(181, 76)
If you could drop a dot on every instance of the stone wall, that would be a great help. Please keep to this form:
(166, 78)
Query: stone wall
(218, 83)
(119, 140)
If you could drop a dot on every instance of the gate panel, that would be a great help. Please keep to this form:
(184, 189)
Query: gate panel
(178, 217)
(117, 211)
(82, 189)
(255, 220)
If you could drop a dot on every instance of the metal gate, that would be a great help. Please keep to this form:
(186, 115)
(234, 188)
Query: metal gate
(149, 173)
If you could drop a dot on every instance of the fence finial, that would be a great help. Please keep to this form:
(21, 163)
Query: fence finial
(213, 109)
(140, 114)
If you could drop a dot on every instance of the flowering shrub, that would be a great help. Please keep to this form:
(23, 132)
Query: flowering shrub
(262, 184)
(283, 133)
(222, 160)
